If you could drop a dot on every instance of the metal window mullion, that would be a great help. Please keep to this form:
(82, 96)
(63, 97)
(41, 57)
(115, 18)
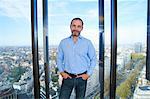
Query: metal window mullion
(34, 32)
(148, 42)
(101, 47)
(113, 48)
(45, 46)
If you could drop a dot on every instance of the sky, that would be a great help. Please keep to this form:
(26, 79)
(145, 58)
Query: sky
(15, 21)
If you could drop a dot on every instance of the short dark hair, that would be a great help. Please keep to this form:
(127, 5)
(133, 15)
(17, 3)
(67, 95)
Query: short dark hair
(77, 19)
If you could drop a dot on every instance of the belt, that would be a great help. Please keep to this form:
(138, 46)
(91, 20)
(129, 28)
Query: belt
(75, 75)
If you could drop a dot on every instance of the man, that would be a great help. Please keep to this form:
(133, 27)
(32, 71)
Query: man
(76, 60)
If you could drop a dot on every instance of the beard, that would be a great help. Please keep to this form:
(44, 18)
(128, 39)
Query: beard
(75, 33)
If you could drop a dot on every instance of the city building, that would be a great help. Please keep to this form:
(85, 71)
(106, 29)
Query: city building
(138, 47)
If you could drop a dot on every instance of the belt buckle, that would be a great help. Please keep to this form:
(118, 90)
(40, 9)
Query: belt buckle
(72, 75)
(75, 75)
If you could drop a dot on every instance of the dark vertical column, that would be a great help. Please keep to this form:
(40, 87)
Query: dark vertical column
(101, 47)
(148, 42)
(113, 48)
(34, 30)
(45, 45)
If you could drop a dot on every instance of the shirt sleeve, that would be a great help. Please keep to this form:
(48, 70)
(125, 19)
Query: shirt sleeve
(60, 58)
(92, 57)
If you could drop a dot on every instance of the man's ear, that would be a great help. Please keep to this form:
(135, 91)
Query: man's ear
(82, 28)
(70, 26)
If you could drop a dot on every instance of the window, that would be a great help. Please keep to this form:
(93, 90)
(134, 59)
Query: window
(16, 79)
(131, 51)
(61, 14)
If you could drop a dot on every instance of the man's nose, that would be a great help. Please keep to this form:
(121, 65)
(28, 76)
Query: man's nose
(76, 28)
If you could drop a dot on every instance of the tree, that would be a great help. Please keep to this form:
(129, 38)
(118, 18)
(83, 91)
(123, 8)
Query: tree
(137, 56)
(128, 66)
(16, 73)
(106, 86)
(1, 70)
(55, 78)
(123, 90)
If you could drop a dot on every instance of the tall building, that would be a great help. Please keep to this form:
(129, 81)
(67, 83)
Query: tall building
(8, 93)
(142, 91)
(138, 47)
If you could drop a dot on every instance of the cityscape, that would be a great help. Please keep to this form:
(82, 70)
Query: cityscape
(16, 64)
(16, 77)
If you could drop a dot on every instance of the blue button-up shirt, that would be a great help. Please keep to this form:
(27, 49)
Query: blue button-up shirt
(76, 57)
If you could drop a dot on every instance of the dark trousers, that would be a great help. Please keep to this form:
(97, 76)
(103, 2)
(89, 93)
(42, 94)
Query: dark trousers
(67, 86)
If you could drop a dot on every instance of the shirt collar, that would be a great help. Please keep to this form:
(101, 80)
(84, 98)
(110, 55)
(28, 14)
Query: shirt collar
(80, 37)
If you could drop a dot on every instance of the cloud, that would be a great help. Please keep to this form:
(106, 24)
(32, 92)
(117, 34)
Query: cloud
(72, 8)
(131, 7)
(55, 7)
(128, 34)
(75, 0)
(22, 9)
(87, 0)
(93, 13)
(19, 9)
(92, 34)
(15, 8)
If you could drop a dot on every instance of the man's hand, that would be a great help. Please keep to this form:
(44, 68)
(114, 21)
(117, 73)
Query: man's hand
(65, 75)
(84, 76)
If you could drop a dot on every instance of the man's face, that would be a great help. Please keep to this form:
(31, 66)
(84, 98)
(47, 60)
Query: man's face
(76, 27)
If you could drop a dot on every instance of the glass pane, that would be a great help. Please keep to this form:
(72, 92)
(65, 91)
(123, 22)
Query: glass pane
(40, 49)
(107, 32)
(16, 79)
(131, 52)
(60, 15)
